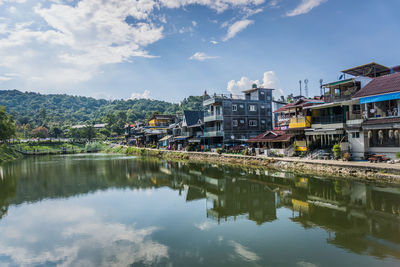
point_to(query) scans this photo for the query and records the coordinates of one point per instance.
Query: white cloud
(305, 7)
(270, 80)
(63, 45)
(244, 83)
(218, 5)
(146, 95)
(237, 27)
(200, 56)
(214, 42)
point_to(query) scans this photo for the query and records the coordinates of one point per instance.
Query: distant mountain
(40, 109)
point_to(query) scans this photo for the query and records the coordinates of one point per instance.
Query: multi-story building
(380, 127)
(231, 119)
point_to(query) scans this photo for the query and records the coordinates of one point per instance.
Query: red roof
(271, 137)
(284, 108)
(380, 85)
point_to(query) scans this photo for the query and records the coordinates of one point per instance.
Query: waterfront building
(380, 105)
(193, 126)
(231, 119)
(300, 120)
(276, 105)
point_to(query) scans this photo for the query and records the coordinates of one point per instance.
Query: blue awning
(378, 98)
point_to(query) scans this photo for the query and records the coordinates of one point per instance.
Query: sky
(170, 49)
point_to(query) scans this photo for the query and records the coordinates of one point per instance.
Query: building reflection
(359, 217)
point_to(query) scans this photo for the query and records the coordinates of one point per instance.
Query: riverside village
(354, 118)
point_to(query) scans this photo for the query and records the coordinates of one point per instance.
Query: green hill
(63, 110)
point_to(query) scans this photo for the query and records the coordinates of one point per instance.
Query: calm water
(103, 210)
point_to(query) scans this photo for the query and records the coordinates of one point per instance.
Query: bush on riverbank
(8, 153)
(49, 147)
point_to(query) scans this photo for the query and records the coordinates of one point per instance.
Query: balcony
(213, 117)
(217, 98)
(213, 132)
(300, 122)
(332, 119)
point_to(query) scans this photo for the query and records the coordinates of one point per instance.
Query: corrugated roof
(381, 121)
(380, 85)
(271, 136)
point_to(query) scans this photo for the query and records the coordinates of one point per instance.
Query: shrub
(336, 151)
(219, 150)
(347, 156)
(397, 154)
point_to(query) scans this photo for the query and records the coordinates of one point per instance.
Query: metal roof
(368, 70)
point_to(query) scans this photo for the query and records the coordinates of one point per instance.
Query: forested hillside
(65, 110)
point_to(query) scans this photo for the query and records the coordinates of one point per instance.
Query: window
(262, 121)
(234, 107)
(252, 123)
(241, 121)
(252, 108)
(241, 106)
(356, 109)
(268, 98)
(355, 135)
(262, 92)
(234, 123)
(262, 106)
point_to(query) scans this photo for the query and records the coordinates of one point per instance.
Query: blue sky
(170, 49)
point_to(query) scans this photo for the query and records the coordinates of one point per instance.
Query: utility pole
(300, 88)
(320, 86)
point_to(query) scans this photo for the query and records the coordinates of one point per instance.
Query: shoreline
(365, 171)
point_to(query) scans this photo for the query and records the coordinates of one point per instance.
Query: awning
(378, 98)
(333, 104)
(180, 138)
(165, 138)
(324, 131)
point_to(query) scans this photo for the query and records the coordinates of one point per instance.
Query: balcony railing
(212, 117)
(213, 131)
(218, 97)
(300, 122)
(336, 98)
(328, 119)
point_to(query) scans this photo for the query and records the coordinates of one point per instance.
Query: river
(115, 210)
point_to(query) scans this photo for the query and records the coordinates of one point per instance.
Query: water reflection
(358, 217)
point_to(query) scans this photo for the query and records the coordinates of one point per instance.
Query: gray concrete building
(231, 119)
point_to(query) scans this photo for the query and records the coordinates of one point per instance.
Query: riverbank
(7, 153)
(381, 172)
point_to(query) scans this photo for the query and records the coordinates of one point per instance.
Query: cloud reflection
(75, 236)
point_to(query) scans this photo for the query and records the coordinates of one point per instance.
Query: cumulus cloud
(305, 7)
(200, 56)
(146, 95)
(64, 44)
(270, 80)
(237, 27)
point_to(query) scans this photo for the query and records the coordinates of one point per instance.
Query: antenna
(306, 87)
(320, 86)
(300, 87)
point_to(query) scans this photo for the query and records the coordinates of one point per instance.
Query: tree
(7, 125)
(40, 132)
(89, 132)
